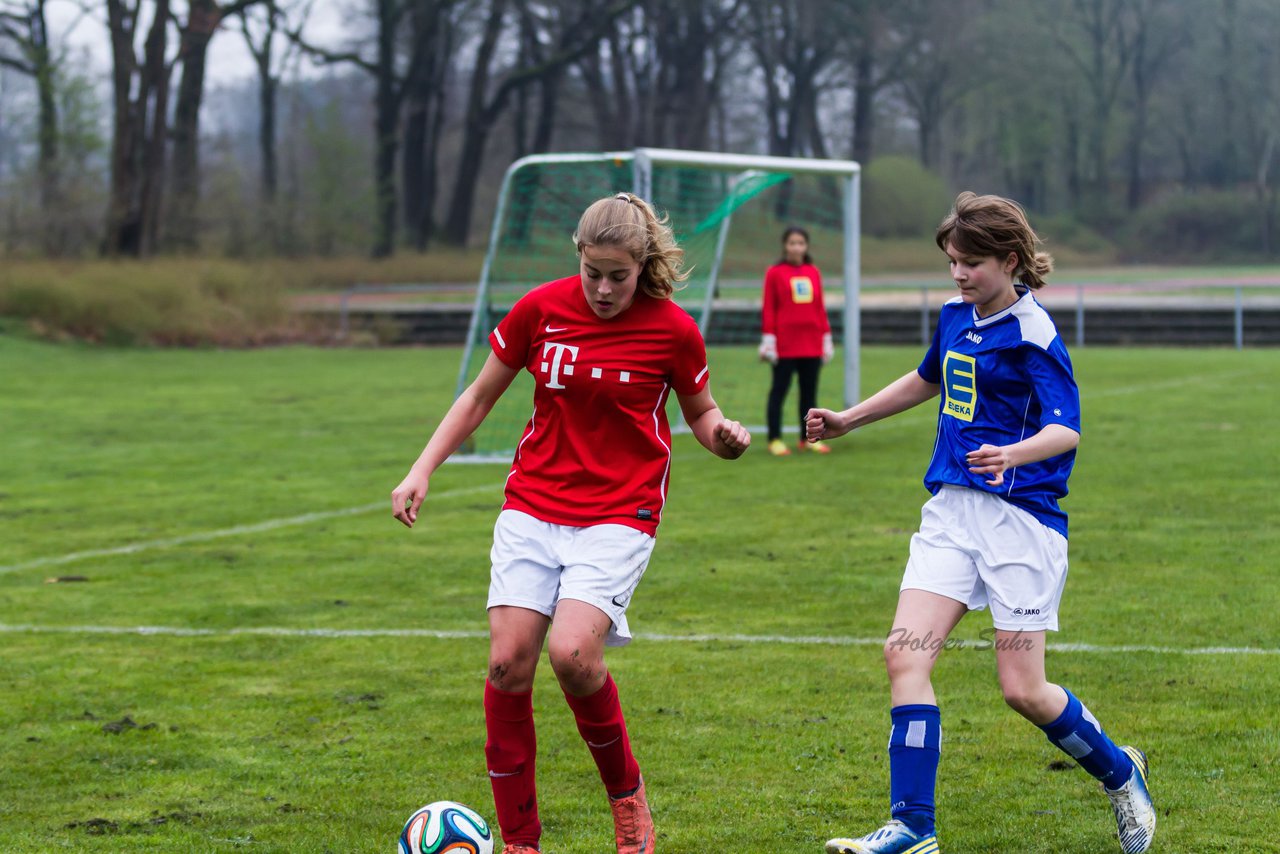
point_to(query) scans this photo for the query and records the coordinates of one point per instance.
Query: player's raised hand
(408, 496)
(989, 459)
(824, 424)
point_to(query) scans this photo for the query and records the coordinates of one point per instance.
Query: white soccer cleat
(1135, 814)
(894, 838)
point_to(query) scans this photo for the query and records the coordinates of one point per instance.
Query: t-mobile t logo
(555, 366)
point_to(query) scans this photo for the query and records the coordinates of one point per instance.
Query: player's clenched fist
(734, 437)
(407, 498)
(824, 424)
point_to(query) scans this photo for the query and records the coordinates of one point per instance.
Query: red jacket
(794, 310)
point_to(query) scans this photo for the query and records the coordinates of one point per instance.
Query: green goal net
(727, 211)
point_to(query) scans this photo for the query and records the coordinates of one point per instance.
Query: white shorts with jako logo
(981, 550)
(536, 564)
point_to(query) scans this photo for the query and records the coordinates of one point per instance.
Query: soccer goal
(728, 212)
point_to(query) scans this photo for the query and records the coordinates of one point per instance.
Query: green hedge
(162, 302)
(1213, 226)
(900, 198)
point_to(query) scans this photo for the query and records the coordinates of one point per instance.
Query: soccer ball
(443, 827)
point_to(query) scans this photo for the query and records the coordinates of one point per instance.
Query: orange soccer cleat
(632, 823)
(815, 447)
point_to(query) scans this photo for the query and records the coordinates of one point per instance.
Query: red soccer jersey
(597, 449)
(794, 310)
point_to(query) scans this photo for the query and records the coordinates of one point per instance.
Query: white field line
(477, 634)
(255, 528)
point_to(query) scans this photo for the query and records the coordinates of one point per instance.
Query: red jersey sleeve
(513, 335)
(690, 372)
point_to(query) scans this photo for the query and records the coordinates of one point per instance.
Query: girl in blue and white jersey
(993, 534)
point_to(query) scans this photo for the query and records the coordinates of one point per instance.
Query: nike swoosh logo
(606, 744)
(497, 774)
(559, 329)
(619, 604)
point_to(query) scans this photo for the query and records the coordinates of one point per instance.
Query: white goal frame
(643, 161)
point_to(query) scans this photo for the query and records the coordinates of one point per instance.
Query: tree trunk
(46, 88)
(864, 111)
(155, 148)
(1229, 155)
(413, 168)
(424, 122)
(45, 74)
(386, 126)
(629, 93)
(120, 236)
(268, 89)
(476, 132)
(928, 119)
(138, 139)
(606, 122)
(28, 32)
(184, 223)
(576, 38)
(419, 93)
(1137, 134)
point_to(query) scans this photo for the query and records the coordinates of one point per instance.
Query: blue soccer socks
(915, 745)
(1077, 733)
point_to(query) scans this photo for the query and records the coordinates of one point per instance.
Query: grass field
(313, 671)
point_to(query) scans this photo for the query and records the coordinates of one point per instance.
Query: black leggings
(808, 370)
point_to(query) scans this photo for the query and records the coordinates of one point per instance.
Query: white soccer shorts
(981, 550)
(536, 564)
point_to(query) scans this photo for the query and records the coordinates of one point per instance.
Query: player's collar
(1023, 293)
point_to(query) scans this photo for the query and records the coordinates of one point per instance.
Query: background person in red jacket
(797, 335)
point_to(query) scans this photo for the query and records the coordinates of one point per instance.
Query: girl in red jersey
(585, 494)
(797, 335)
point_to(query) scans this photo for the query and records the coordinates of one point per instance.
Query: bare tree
(434, 25)
(394, 76)
(794, 44)
(872, 65)
(1093, 35)
(260, 27)
(263, 30)
(1157, 38)
(580, 33)
(616, 74)
(203, 20)
(141, 101)
(935, 65)
(25, 47)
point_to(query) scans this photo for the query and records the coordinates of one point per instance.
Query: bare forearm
(1053, 440)
(706, 429)
(459, 422)
(900, 395)
(995, 460)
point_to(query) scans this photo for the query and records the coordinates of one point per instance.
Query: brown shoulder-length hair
(995, 226)
(628, 222)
